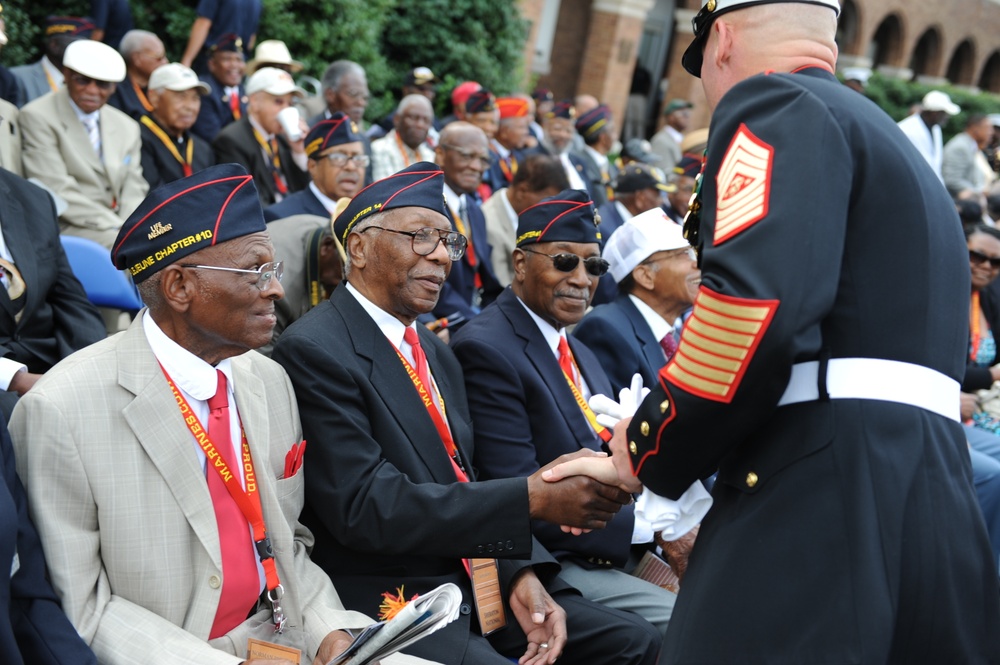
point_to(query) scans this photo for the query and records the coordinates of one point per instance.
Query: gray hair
(409, 100)
(133, 41)
(337, 70)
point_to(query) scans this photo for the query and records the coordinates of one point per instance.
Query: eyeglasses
(83, 81)
(340, 160)
(354, 93)
(687, 253)
(468, 155)
(566, 262)
(265, 273)
(425, 240)
(977, 257)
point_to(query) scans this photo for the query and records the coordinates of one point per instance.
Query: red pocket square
(293, 459)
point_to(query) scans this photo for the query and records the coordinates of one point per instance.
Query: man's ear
(355, 249)
(644, 276)
(178, 287)
(519, 258)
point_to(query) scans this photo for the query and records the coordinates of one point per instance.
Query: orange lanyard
(588, 413)
(403, 152)
(142, 97)
(168, 142)
(436, 415)
(975, 321)
(248, 500)
(508, 170)
(48, 77)
(271, 150)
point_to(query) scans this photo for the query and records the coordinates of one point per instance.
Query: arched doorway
(847, 27)
(989, 78)
(926, 57)
(886, 47)
(961, 66)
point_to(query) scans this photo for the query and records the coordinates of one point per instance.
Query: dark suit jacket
(623, 343)
(159, 166)
(57, 319)
(592, 176)
(611, 220)
(525, 416)
(381, 496)
(127, 101)
(236, 144)
(459, 288)
(33, 627)
(215, 112)
(302, 202)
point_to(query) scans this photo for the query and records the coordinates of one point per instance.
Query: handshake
(597, 485)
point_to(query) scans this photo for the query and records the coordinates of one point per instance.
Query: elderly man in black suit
(528, 386)
(260, 143)
(44, 312)
(658, 280)
(227, 101)
(400, 506)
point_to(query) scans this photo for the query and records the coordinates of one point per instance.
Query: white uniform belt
(878, 379)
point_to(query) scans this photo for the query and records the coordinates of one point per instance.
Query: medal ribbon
(470, 251)
(247, 500)
(169, 144)
(142, 97)
(588, 413)
(271, 149)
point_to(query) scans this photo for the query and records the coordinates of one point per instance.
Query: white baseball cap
(935, 100)
(176, 77)
(95, 60)
(272, 52)
(639, 238)
(274, 82)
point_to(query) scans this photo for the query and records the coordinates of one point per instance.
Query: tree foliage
(458, 39)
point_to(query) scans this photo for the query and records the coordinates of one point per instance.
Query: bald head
(778, 36)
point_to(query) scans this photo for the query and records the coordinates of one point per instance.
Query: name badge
(262, 650)
(486, 593)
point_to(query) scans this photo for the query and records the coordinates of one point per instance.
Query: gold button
(214, 582)
(664, 405)
(632, 448)
(751, 479)
(710, 6)
(644, 428)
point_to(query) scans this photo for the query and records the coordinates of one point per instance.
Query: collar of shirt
(391, 327)
(54, 72)
(454, 200)
(84, 117)
(231, 90)
(191, 374)
(511, 215)
(327, 202)
(599, 159)
(656, 323)
(623, 211)
(499, 149)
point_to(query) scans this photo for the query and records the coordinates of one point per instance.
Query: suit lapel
(537, 350)
(651, 348)
(76, 133)
(156, 422)
(389, 378)
(15, 235)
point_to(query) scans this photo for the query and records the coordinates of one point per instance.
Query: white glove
(609, 412)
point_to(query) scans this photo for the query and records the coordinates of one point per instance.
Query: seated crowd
(361, 350)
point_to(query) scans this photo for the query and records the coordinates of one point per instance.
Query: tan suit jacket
(125, 515)
(500, 234)
(57, 151)
(10, 138)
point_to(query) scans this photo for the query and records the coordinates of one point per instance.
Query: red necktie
(240, 580)
(669, 345)
(566, 360)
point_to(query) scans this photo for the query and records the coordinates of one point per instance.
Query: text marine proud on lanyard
(248, 500)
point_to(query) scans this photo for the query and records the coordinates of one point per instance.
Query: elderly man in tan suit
(84, 150)
(125, 447)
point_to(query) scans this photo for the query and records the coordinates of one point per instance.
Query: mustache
(574, 293)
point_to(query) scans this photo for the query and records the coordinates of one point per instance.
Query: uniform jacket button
(644, 428)
(751, 479)
(214, 582)
(664, 405)
(632, 448)
(510, 544)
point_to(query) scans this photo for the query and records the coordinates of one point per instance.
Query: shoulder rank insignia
(717, 344)
(744, 185)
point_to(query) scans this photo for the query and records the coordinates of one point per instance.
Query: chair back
(105, 285)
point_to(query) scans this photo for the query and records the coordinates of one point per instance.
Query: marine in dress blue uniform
(845, 527)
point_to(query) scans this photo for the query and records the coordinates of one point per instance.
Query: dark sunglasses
(977, 257)
(84, 81)
(594, 265)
